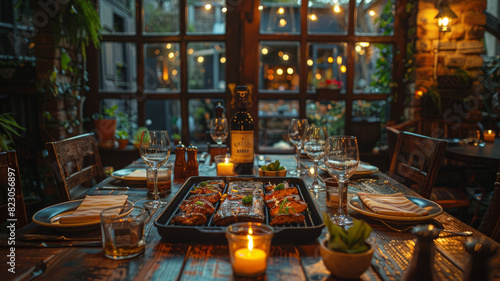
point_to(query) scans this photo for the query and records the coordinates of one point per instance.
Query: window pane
(117, 17)
(118, 67)
(206, 66)
(280, 16)
(327, 66)
(375, 17)
(161, 17)
(162, 67)
(279, 66)
(126, 114)
(164, 115)
(206, 17)
(201, 111)
(327, 17)
(366, 122)
(329, 114)
(274, 118)
(373, 68)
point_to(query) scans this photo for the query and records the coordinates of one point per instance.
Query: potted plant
(176, 138)
(346, 253)
(106, 127)
(272, 170)
(8, 128)
(122, 138)
(137, 136)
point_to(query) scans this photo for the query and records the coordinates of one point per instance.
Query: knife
(113, 188)
(3, 243)
(45, 237)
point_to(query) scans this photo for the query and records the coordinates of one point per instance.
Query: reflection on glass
(161, 17)
(206, 17)
(162, 67)
(280, 16)
(279, 66)
(118, 67)
(327, 66)
(373, 109)
(274, 118)
(117, 17)
(126, 114)
(375, 17)
(206, 65)
(373, 68)
(164, 115)
(201, 111)
(327, 17)
(329, 114)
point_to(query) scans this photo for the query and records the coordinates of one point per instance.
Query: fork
(449, 232)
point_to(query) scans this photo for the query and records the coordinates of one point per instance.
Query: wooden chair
(490, 225)
(10, 182)
(438, 128)
(76, 164)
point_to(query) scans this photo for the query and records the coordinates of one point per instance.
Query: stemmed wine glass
(155, 150)
(341, 160)
(314, 145)
(218, 130)
(296, 131)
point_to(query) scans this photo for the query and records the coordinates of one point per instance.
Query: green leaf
(350, 241)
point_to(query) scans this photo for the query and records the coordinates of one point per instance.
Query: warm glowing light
(270, 72)
(223, 60)
(270, 77)
(286, 57)
(336, 9)
(168, 46)
(339, 60)
(289, 71)
(364, 44)
(174, 72)
(261, 8)
(330, 60)
(310, 62)
(444, 21)
(157, 52)
(208, 7)
(250, 241)
(317, 76)
(282, 23)
(357, 48)
(200, 59)
(265, 51)
(32, 45)
(371, 13)
(171, 55)
(165, 74)
(224, 9)
(313, 17)
(280, 11)
(311, 170)
(343, 69)
(280, 53)
(362, 52)
(419, 93)
(190, 51)
(279, 71)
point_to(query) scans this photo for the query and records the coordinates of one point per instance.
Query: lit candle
(249, 261)
(489, 136)
(225, 169)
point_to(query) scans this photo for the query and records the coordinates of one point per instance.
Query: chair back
(439, 128)
(76, 164)
(416, 161)
(10, 184)
(490, 225)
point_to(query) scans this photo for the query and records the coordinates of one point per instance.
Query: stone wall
(460, 48)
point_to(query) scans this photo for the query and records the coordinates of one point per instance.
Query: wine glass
(218, 131)
(296, 131)
(155, 150)
(341, 159)
(314, 145)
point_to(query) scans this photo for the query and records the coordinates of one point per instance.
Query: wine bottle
(242, 136)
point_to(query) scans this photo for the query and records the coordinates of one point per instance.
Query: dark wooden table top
(191, 261)
(488, 153)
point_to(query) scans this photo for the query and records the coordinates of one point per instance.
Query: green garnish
(283, 209)
(276, 166)
(199, 203)
(247, 199)
(203, 183)
(280, 186)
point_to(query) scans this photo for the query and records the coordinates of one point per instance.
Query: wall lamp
(445, 15)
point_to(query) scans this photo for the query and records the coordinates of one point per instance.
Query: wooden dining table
(163, 260)
(484, 154)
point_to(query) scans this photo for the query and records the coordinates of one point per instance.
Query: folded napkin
(91, 208)
(392, 205)
(139, 173)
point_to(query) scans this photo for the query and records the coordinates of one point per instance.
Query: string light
(310, 62)
(171, 55)
(280, 11)
(265, 51)
(261, 8)
(208, 7)
(222, 60)
(339, 60)
(343, 69)
(282, 23)
(168, 46)
(224, 9)
(286, 57)
(289, 71)
(336, 9)
(313, 17)
(279, 71)
(330, 60)
(371, 13)
(200, 59)
(318, 76)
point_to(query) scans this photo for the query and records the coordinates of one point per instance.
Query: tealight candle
(249, 261)
(489, 136)
(225, 168)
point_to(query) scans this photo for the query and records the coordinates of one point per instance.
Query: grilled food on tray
(280, 191)
(285, 204)
(286, 219)
(190, 219)
(290, 205)
(202, 206)
(244, 203)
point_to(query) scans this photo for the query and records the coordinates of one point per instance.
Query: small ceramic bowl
(281, 173)
(345, 265)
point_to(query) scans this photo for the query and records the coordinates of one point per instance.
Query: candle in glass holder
(225, 168)
(489, 136)
(249, 261)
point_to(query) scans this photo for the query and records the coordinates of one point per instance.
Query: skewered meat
(287, 219)
(190, 219)
(289, 207)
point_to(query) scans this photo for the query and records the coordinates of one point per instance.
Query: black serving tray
(210, 233)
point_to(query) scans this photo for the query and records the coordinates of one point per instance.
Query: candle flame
(250, 242)
(226, 160)
(490, 132)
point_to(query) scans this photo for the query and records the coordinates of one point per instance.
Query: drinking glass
(155, 150)
(341, 159)
(218, 130)
(314, 145)
(296, 131)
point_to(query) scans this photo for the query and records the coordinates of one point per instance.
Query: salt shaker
(192, 162)
(180, 162)
(422, 264)
(479, 265)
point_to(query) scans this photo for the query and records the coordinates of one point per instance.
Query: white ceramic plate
(433, 209)
(123, 173)
(49, 217)
(362, 170)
